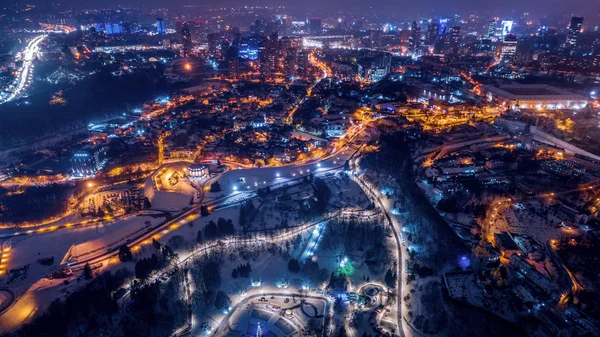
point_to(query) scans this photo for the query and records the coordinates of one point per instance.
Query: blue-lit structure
(88, 160)
(160, 26)
(442, 26)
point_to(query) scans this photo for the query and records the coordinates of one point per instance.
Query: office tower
(233, 63)
(491, 32)
(432, 33)
(506, 27)
(384, 62)
(303, 63)
(186, 40)
(455, 39)
(574, 30)
(424, 28)
(268, 56)
(117, 28)
(160, 26)
(315, 26)
(442, 26)
(509, 48)
(266, 62)
(291, 60)
(414, 39)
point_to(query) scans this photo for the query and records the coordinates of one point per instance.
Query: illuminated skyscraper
(303, 63)
(509, 48)
(186, 40)
(160, 26)
(492, 28)
(432, 33)
(268, 57)
(442, 26)
(291, 60)
(575, 29)
(233, 63)
(414, 40)
(455, 39)
(507, 26)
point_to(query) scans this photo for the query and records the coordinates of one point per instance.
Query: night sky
(413, 7)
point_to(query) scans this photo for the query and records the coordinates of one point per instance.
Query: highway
(23, 80)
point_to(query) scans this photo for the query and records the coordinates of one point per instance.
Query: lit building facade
(198, 171)
(87, 161)
(534, 96)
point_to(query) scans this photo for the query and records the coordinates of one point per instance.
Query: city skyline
(316, 169)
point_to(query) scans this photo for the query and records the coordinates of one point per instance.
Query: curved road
(245, 300)
(24, 79)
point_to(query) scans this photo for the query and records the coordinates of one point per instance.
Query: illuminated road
(23, 80)
(375, 195)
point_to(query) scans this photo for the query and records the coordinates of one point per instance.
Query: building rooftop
(505, 241)
(532, 91)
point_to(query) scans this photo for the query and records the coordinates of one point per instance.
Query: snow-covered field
(87, 241)
(36, 292)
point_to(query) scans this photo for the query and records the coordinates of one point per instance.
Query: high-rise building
(455, 39)
(186, 40)
(160, 26)
(424, 27)
(266, 63)
(291, 60)
(233, 62)
(315, 26)
(381, 67)
(384, 62)
(268, 56)
(442, 26)
(414, 39)
(491, 32)
(113, 28)
(507, 26)
(303, 63)
(575, 28)
(509, 48)
(432, 33)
